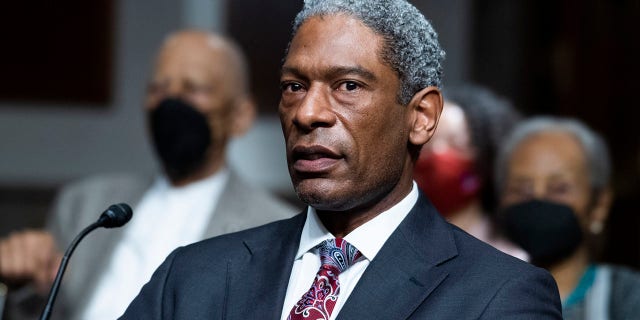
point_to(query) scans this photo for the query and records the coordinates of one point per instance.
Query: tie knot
(337, 254)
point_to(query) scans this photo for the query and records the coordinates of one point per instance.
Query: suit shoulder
(491, 261)
(508, 284)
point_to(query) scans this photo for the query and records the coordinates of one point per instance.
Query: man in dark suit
(359, 98)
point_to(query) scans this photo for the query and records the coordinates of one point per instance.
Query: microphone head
(115, 216)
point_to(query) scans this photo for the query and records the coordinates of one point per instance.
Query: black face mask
(548, 231)
(181, 136)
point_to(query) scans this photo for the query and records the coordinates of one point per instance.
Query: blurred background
(73, 75)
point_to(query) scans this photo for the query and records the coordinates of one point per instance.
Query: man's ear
(242, 116)
(425, 109)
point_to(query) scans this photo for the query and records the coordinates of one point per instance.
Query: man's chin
(317, 193)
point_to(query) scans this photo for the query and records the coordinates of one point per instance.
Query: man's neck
(341, 223)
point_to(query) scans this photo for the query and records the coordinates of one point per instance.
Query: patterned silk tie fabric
(336, 255)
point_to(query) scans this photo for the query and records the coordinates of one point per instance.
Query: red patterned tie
(336, 255)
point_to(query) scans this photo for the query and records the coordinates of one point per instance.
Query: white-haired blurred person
(553, 175)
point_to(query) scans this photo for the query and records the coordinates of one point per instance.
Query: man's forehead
(335, 40)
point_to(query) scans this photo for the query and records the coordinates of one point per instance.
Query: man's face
(346, 134)
(549, 166)
(192, 68)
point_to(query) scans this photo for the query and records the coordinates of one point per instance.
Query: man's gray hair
(410, 47)
(594, 147)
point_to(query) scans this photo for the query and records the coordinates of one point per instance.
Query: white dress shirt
(368, 238)
(166, 217)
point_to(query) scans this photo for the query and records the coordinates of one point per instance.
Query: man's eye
(291, 86)
(349, 86)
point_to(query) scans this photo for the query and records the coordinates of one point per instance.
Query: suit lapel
(410, 265)
(258, 284)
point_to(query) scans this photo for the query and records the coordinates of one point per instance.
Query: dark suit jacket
(427, 269)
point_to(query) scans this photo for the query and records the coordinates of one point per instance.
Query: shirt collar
(382, 226)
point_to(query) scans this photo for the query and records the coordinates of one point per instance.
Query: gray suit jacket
(427, 269)
(241, 206)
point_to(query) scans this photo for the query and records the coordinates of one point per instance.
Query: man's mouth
(314, 159)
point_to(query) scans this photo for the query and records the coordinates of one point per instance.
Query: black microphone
(115, 216)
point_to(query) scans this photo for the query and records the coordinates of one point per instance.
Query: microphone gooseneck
(115, 216)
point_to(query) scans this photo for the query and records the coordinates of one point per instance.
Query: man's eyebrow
(357, 70)
(291, 70)
(333, 72)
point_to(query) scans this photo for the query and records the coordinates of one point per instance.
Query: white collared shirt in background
(166, 217)
(368, 238)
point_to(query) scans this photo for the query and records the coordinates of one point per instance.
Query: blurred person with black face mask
(197, 100)
(553, 174)
(455, 170)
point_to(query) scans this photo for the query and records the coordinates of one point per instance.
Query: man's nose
(315, 110)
